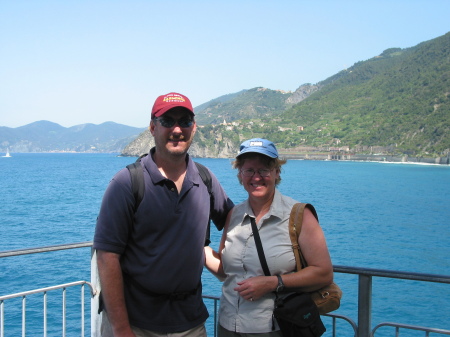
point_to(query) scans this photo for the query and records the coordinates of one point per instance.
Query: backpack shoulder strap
(137, 181)
(138, 187)
(295, 227)
(206, 178)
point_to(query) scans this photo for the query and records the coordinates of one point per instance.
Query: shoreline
(378, 158)
(440, 161)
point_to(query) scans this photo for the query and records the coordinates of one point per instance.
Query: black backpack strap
(137, 181)
(138, 187)
(206, 178)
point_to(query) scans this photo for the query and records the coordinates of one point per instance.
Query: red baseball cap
(168, 101)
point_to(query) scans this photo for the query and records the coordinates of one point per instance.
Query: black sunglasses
(169, 122)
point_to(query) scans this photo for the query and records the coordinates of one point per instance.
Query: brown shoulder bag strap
(295, 227)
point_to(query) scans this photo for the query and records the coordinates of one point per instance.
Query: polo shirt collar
(276, 209)
(156, 176)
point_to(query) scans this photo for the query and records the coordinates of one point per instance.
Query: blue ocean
(374, 215)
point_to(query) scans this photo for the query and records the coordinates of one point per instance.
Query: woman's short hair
(271, 163)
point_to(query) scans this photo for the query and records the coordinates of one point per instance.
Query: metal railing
(362, 329)
(365, 279)
(63, 287)
(398, 326)
(44, 291)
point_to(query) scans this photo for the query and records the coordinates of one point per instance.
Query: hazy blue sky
(75, 62)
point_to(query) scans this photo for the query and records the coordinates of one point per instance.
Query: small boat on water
(7, 155)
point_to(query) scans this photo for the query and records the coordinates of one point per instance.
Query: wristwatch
(280, 286)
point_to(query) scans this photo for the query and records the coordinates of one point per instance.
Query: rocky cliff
(144, 142)
(303, 92)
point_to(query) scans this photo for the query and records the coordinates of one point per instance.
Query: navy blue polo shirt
(161, 245)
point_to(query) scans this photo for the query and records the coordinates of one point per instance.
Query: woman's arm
(319, 271)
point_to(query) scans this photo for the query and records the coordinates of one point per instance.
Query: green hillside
(399, 99)
(253, 103)
(397, 102)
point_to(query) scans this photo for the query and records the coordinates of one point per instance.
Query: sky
(75, 62)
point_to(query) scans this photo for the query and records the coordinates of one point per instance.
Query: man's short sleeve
(116, 215)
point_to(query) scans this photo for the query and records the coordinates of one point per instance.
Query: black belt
(175, 296)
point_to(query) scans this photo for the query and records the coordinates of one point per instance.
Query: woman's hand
(254, 288)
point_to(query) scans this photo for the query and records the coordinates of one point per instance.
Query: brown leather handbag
(329, 297)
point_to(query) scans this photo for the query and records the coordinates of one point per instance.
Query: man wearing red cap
(150, 259)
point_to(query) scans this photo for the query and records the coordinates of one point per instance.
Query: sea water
(374, 215)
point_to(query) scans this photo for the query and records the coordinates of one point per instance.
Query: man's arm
(222, 203)
(111, 281)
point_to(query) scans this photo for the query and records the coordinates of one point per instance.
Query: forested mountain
(248, 104)
(399, 99)
(45, 136)
(253, 103)
(396, 103)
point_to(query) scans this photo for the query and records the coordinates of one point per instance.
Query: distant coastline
(381, 158)
(400, 159)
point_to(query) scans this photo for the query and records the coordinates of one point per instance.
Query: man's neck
(172, 167)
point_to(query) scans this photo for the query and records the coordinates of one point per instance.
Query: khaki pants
(106, 331)
(222, 332)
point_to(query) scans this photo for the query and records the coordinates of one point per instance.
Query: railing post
(96, 319)
(2, 319)
(364, 305)
(24, 315)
